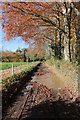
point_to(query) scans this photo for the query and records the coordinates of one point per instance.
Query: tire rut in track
(41, 102)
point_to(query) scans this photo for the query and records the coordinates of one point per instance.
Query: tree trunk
(55, 47)
(66, 43)
(69, 27)
(69, 44)
(66, 37)
(60, 46)
(24, 56)
(78, 57)
(59, 35)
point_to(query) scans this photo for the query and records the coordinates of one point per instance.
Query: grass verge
(6, 83)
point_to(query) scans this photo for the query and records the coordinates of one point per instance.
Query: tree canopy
(40, 22)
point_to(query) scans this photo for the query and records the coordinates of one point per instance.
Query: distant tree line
(23, 55)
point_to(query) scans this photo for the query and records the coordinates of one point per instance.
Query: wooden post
(12, 69)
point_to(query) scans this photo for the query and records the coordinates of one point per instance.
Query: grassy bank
(6, 65)
(65, 71)
(6, 83)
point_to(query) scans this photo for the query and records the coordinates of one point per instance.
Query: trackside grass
(6, 83)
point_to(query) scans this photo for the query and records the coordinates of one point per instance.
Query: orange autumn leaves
(35, 20)
(23, 18)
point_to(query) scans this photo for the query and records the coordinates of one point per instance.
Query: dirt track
(46, 77)
(41, 98)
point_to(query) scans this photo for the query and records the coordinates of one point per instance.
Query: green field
(6, 65)
(16, 77)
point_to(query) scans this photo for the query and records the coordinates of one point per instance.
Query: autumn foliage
(9, 56)
(53, 23)
(32, 54)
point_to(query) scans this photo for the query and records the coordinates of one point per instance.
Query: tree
(27, 21)
(18, 50)
(24, 50)
(9, 56)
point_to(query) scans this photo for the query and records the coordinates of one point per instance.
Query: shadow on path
(53, 109)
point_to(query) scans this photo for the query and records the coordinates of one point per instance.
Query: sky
(11, 45)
